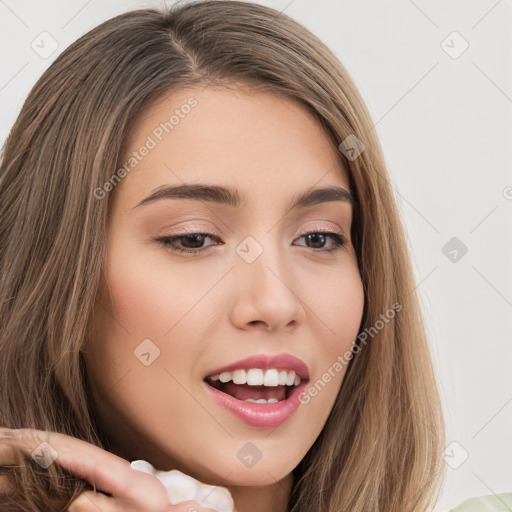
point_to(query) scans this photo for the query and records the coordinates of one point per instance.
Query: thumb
(182, 487)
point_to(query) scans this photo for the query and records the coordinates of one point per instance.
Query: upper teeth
(258, 377)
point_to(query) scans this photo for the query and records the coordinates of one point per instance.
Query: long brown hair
(380, 449)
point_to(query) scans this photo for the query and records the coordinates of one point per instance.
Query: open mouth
(275, 390)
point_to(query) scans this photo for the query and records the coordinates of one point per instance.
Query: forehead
(257, 142)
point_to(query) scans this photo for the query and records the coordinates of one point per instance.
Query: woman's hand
(131, 490)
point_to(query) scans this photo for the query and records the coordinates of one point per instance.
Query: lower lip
(259, 415)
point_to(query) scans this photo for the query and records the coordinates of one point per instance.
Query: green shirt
(493, 503)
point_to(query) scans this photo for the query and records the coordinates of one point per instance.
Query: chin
(262, 473)
(253, 478)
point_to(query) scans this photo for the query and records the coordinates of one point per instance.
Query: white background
(445, 125)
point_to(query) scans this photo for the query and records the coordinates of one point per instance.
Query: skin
(132, 491)
(207, 311)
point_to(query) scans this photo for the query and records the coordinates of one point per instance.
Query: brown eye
(318, 240)
(190, 243)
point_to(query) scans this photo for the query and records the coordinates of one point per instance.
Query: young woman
(203, 270)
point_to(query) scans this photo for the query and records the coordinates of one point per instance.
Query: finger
(78, 457)
(6, 453)
(189, 506)
(103, 470)
(112, 474)
(96, 502)
(91, 501)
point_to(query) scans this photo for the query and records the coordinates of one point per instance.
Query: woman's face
(257, 285)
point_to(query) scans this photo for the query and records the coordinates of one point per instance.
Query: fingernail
(142, 465)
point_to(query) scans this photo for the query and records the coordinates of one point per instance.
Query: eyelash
(338, 240)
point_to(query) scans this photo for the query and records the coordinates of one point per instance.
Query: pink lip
(279, 362)
(258, 415)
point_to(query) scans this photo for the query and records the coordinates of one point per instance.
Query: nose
(267, 295)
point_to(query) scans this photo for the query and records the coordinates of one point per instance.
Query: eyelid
(214, 234)
(321, 227)
(337, 236)
(190, 229)
(193, 229)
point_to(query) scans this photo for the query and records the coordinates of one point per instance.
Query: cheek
(144, 299)
(338, 311)
(151, 295)
(337, 308)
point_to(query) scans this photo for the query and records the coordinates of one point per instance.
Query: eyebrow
(232, 197)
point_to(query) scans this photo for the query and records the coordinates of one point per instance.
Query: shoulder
(492, 503)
